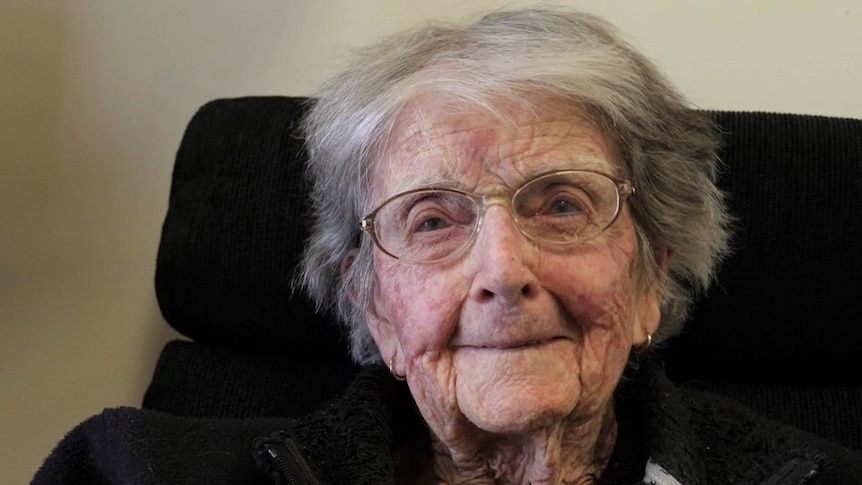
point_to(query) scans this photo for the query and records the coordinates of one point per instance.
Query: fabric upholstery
(786, 308)
(200, 380)
(781, 331)
(234, 230)
(781, 326)
(830, 411)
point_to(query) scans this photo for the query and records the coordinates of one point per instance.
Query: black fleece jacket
(371, 434)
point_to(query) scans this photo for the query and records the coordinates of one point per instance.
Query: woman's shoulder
(130, 445)
(731, 433)
(696, 435)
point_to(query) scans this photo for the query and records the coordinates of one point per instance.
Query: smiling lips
(515, 345)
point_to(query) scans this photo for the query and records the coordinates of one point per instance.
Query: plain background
(94, 97)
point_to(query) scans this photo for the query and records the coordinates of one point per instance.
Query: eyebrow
(448, 181)
(426, 180)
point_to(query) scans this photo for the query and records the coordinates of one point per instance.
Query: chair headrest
(785, 309)
(234, 232)
(788, 303)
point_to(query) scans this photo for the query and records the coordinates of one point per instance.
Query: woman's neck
(564, 453)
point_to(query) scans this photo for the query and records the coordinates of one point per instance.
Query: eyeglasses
(434, 225)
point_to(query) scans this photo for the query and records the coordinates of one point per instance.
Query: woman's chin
(519, 390)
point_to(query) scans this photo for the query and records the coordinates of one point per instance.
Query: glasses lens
(567, 207)
(431, 225)
(426, 225)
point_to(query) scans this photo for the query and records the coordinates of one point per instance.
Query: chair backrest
(784, 317)
(782, 331)
(787, 305)
(231, 240)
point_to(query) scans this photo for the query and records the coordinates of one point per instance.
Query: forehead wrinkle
(466, 154)
(408, 167)
(421, 141)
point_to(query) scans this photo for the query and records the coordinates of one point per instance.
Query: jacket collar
(348, 440)
(690, 438)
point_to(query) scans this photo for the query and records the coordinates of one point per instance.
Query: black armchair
(780, 332)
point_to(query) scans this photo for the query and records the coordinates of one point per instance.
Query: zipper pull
(288, 460)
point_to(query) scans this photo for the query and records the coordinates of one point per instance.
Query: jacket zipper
(797, 471)
(287, 459)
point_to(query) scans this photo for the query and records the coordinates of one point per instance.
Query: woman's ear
(379, 324)
(662, 259)
(346, 262)
(384, 332)
(649, 313)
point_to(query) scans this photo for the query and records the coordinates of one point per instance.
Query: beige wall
(94, 96)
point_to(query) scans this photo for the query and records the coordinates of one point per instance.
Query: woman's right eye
(435, 212)
(429, 223)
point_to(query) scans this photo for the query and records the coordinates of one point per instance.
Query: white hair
(665, 148)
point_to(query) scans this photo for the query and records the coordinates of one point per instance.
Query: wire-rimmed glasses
(436, 225)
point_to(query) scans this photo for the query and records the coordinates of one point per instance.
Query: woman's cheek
(597, 299)
(424, 310)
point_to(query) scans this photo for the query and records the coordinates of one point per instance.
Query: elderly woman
(507, 215)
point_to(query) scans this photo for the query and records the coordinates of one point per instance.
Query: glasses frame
(624, 190)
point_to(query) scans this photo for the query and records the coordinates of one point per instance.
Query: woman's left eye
(564, 205)
(561, 207)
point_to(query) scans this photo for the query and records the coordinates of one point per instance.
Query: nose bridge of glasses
(504, 200)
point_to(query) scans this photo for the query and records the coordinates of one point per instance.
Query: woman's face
(512, 337)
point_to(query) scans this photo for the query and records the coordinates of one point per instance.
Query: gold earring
(642, 348)
(392, 371)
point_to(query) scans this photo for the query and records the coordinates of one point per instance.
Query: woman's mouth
(515, 345)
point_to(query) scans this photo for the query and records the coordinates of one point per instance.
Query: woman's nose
(503, 259)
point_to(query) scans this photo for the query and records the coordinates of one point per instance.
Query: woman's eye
(564, 207)
(427, 217)
(430, 224)
(438, 212)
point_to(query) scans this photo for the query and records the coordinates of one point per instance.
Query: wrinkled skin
(512, 352)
